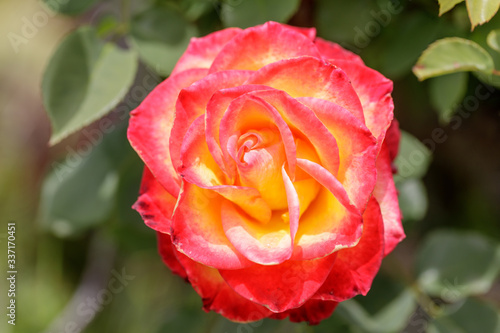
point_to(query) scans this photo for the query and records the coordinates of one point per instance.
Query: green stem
(125, 14)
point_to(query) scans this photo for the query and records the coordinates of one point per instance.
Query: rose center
(259, 158)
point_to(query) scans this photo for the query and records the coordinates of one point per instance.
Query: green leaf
(391, 318)
(412, 199)
(481, 11)
(247, 13)
(79, 191)
(472, 316)
(413, 158)
(84, 80)
(485, 36)
(493, 40)
(490, 79)
(446, 5)
(452, 264)
(69, 7)
(446, 92)
(451, 55)
(161, 35)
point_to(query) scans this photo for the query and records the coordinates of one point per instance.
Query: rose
(268, 172)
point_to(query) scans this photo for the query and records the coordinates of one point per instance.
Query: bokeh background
(76, 231)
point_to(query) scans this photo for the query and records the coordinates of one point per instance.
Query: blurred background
(86, 262)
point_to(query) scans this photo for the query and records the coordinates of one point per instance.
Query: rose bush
(268, 173)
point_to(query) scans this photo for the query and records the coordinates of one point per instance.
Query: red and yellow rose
(268, 172)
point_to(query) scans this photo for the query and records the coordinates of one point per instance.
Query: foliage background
(75, 227)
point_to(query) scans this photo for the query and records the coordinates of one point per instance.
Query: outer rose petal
(150, 125)
(355, 268)
(392, 138)
(374, 91)
(197, 232)
(387, 196)
(217, 295)
(308, 32)
(280, 287)
(201, 52)
(310, 77)
(313, 311)
(331, 50)
(258, 46)
(167, 251)
(155, 204)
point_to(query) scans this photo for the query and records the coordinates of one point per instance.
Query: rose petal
(266, 244)
(280, 287)
(201, 52)
(293, 205)
(308, 32)
(305, 124)
(216, 108)
(197, 164)
(356, 145)
(313, 311)
(249, 112)
(333, 51)
(307, 190)
(248, 199)
(374, 91)
(197, 231)
(261, 169)
(218, 296)
(310, 77)
(198, 167)
(155, 204)
(387, 196)
(392, 139)
(167, 252)
(150, 124)
(355, 268)
(258, 46)
(192, 103)
(331, 221)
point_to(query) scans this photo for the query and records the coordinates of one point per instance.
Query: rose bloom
(268, 173)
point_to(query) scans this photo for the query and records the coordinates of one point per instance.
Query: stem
(100, 258)
(123, 27)
(125, 15)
